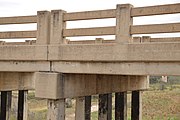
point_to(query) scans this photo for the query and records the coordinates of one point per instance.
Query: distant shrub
(154, 79)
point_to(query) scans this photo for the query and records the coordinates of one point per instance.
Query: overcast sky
(30, 7)
(25, 7)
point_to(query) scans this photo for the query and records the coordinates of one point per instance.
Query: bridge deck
(124, 59)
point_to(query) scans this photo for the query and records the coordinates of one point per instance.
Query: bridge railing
(124, 15)
(18, 20)
(88, 15)
(156, 28)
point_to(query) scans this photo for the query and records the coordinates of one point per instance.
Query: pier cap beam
(58, 85)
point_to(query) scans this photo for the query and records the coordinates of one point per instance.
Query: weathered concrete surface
(55, 85)
(23, 52)
(10, 81)
(122, 52)
(48, 85)
(24, 66)
(119, 68)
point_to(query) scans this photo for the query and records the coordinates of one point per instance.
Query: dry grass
(161, 105)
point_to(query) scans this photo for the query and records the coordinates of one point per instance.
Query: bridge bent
(58, 68)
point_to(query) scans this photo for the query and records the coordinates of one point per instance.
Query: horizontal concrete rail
(89, 31)
(156, 10)
(170, 39)
(18, 20)
(15, 43)
(122, 52)
(27, 42)
(111, 13)
(166, 39)
(155, 28)
(99, 14)
(89, 41)
(24, 66)
(32, 42)
(17, 34)
(23, 52)
(118, 68)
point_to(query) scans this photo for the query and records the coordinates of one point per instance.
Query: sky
(30, 7)
(25, 7)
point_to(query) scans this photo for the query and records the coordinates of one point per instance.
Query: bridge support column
(22, 105)
(83, 108)
(56, 109)
(9, 101)
(3, 105)
(136, 106)
(121, 106)
(87, 107)
(105, 107)
(80, 108)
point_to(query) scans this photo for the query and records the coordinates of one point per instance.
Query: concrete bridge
(57, 68)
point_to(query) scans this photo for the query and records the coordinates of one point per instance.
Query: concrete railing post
(57, 26)
(43, 27)
(123, 23)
